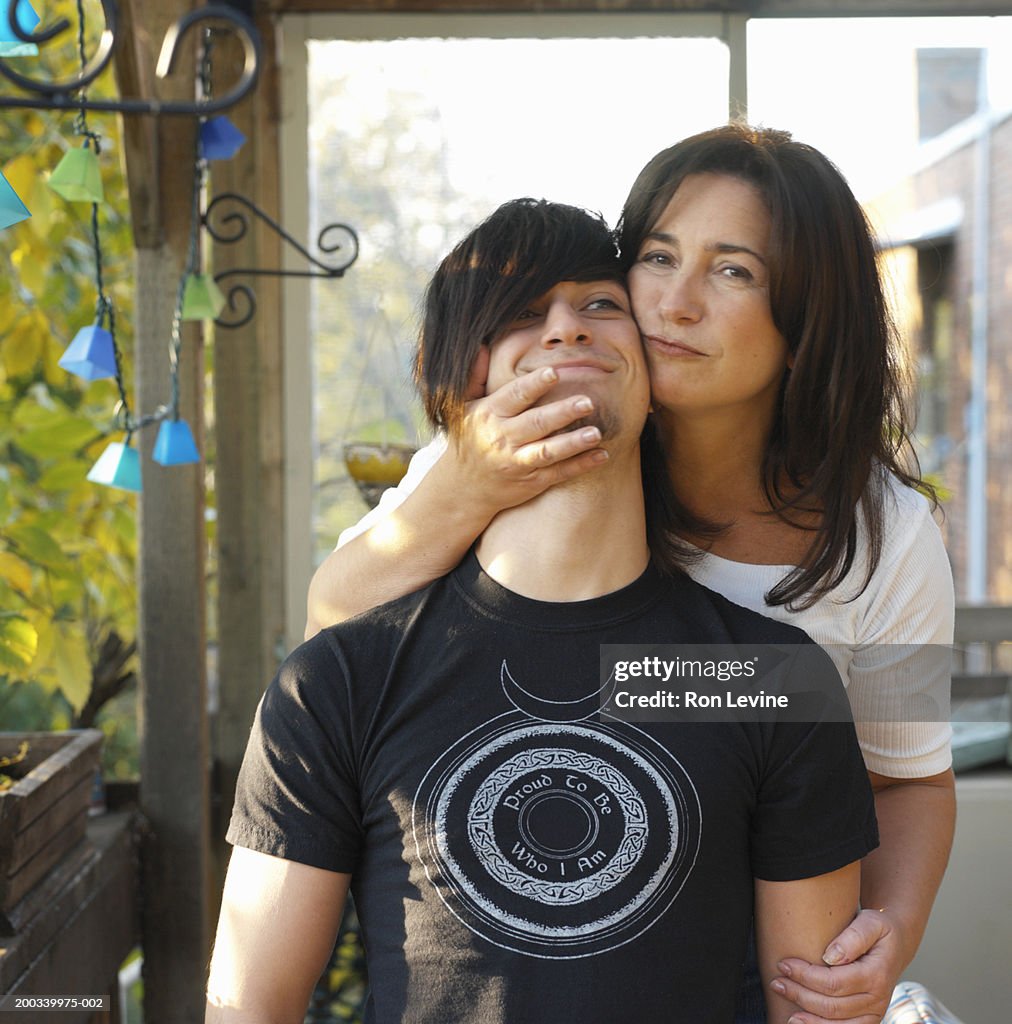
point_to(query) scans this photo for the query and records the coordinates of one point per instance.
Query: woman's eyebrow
(733, 247)
(722, 247)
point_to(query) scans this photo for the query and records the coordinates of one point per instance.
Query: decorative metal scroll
(231, 227)
(67, 95)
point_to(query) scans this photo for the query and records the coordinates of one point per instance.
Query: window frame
(296, 32)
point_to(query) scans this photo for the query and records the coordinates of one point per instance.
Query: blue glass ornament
(27, 19)
(12, 209)
(118, 466)
(174, 445)
(91, 354)
(220, 139)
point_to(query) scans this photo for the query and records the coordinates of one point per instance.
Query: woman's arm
(506, 454)
(916, 820)
(899, 688)
(419, 539)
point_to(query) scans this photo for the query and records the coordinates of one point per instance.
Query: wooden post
(175, 748)
(248, 438)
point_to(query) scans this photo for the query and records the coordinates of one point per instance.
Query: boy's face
(586, 332)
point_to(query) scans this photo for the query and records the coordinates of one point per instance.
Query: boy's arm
(278, 924)
(798, 919)
(916, 818)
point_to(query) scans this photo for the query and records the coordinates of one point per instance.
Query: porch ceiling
(753, 8)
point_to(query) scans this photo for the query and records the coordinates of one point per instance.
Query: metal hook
(251, 49)
(60, 95)
(233, 226)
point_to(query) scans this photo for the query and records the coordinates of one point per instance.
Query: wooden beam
(175, 742)
(135, 77)
(248, 440)
(753, 8)
(175, 747)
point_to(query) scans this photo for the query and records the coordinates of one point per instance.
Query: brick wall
(954, 176)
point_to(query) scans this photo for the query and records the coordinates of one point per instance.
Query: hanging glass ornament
(118, 466)
(174, 445)
(202, 298)
(220, 139)
(78, 177)
(27, 19)
(12, 209)
(91, 355)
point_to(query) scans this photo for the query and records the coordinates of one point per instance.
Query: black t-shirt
(516, 855)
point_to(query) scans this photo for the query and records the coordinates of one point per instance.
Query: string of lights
(94, 353)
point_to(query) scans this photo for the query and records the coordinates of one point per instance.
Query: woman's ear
(478, 377)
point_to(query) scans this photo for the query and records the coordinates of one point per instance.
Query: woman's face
(700, 293)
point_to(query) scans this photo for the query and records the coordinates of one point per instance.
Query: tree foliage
(67, 546)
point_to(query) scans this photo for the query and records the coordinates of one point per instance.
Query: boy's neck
(574, 542)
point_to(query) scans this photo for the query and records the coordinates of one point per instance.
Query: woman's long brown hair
(841, 426)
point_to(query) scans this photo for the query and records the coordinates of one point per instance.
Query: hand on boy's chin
(606, 420)
(604, 415)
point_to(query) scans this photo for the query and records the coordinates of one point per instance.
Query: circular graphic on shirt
(557, 839)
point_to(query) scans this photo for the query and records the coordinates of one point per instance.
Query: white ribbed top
(892, 643)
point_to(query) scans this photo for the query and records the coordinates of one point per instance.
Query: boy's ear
(478, 376)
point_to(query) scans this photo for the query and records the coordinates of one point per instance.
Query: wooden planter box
(44, 814)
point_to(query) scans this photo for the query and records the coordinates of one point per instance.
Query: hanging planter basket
(375, 466)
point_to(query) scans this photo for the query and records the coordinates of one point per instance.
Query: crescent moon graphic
(545, 709)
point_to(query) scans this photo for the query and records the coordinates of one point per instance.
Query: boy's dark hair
(524, 249)
(513, 257)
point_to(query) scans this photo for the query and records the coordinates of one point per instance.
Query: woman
(753, 278)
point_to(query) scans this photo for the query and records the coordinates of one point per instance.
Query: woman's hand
(502, 456)
(862, 966)
(509, 450)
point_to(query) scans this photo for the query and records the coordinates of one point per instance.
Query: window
(414, 137)
(935, 354)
